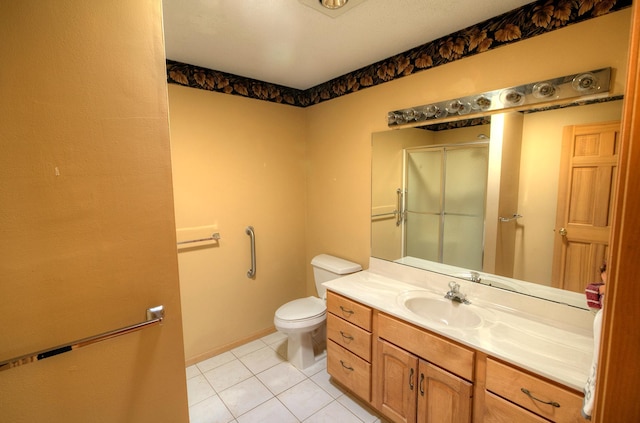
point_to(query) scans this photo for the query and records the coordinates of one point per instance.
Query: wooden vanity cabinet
(349, 344)
(514, 395)
(412, 375)
(411, 389)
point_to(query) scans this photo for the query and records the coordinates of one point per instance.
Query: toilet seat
(302, 309)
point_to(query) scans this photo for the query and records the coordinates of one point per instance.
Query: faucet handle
(454, 287)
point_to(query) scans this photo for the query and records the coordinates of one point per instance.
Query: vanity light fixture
(544, 90)
(562, 90)
(512, 97)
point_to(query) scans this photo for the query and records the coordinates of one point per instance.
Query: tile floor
(255, 383)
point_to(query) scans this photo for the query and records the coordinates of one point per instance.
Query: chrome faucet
(455, 295)
(475, 277)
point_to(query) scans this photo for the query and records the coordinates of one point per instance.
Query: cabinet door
(396, 385)
(442, 396)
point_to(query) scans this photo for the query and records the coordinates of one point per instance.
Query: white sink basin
(440, 310)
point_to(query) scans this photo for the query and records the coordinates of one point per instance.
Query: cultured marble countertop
(543, 342)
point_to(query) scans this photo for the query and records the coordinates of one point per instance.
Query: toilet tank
(326, 268)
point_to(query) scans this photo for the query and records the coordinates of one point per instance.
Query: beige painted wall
(86, 213)
(236, 163)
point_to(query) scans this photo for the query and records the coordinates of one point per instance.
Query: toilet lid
(302, 308)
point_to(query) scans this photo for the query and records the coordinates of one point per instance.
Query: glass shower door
(445, 203)
(423, 186)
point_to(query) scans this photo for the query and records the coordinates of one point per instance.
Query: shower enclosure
(444, 203)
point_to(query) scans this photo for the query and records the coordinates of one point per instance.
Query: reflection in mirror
(521, 177)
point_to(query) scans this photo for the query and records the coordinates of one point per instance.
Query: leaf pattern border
(534, 19)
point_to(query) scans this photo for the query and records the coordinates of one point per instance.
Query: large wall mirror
(499, 178)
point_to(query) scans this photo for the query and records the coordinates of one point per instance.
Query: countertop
(547, 346)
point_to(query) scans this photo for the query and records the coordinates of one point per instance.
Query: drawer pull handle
(346, 311)
(528, 393)
(346, 336)
(411, 379)
(422, 384)
(346, 366)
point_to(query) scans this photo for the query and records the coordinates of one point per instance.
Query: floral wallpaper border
(528, 21)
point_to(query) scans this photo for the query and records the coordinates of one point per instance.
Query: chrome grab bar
(400, 215)
(214, 237)
(154, 317)
(252, 271)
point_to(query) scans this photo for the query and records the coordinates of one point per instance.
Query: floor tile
(211, 410)
(280, 347)
(274, 338)
(323, 379)
(245, 396)
(262, 359)
(333, 413)
(193, 371)
(271, 411)
(281, 377)
(363, 412)
(320, 365)
(227, 375)
(198, 389)
(249, 347)
(304, 399)
(213, 362)
(255, 383)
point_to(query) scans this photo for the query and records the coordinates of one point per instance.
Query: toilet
(303, 320)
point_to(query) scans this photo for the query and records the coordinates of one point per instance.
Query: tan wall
(340, 130)
(236, 164)
(86, 213)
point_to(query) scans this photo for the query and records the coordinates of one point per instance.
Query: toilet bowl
(303, 320)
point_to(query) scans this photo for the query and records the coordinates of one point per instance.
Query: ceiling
(289, 43)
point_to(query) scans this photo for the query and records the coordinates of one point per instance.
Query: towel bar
(214, 237)
(509, 219)
(154, 316)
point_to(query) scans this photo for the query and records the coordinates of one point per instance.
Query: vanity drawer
(349, 336)
(350, 370)
(498, 410)
(444, 353)
(349, 310)
(508, 382)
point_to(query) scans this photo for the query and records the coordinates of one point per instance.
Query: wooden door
(87, 230)
(442, 396)
(396, 384)
(588, 169)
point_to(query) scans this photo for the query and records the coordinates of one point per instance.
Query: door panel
(587, 174)
(86, 214)
(398, 372)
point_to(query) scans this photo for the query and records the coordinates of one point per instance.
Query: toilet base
(305, 349)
